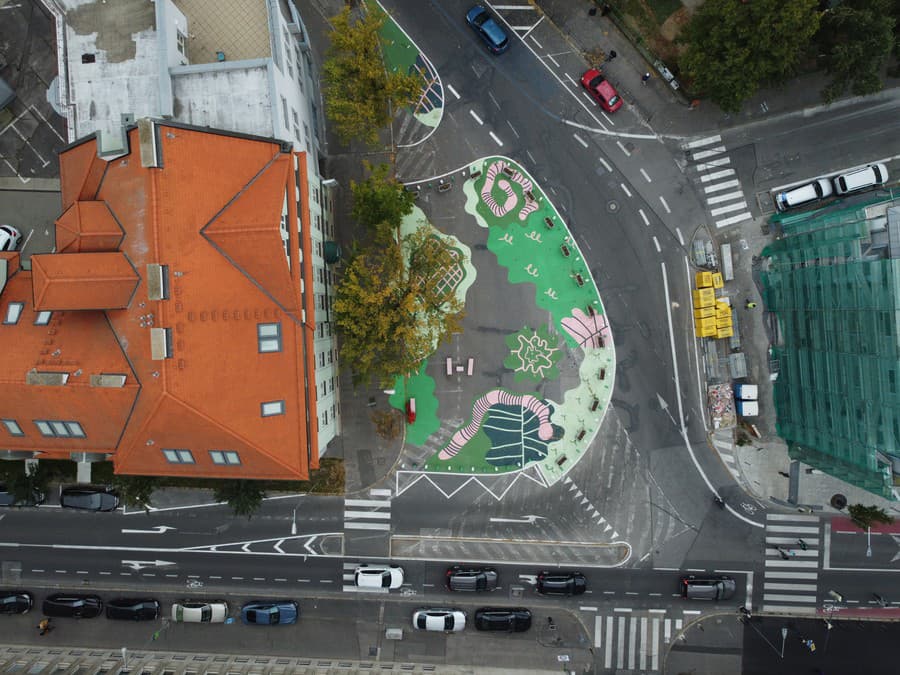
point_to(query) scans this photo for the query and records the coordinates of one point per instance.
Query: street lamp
(125, 658)
(294, 522)
(784, 632)
(868, 542)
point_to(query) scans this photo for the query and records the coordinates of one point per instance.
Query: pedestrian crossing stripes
(791, 563)
(720, 187)
(626, 642)
(369, 514)
(725, 448)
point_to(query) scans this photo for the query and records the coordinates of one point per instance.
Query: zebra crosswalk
(369, 514)
(626, 642)
(718, 181)
(791, 573)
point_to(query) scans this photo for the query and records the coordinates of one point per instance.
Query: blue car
(269, 613)
(488, 29)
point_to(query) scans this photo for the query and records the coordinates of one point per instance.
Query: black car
(132, 609)
(73, 605)
(15, 602)
(561, 583)
(510, 619)
(461, 578)
(89, 498)
(8, 498)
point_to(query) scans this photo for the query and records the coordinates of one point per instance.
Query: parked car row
(822, 188)
(82, 497)
(449, 620)
(89, 606)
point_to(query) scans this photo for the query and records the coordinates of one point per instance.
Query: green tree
(734, 47)
(857, 36)
(866, 516)
(380, 201)
(243, 496)
(390, 308)
(30, 479)
(136, 491)
(359, 90)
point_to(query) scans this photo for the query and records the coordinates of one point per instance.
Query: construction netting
(832, 279)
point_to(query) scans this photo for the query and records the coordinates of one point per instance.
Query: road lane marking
(623, 149)
(452, 90)
(555, 62)
(646, 177)
(580, 140)
(625, 189)
(665, 204)
(656, 244)
(680, 237)
(722, 186)
(477, 118)
(643, 216)
(709, 140)
(513, 128)
(605, 164)
(718, 174)
(496, 140)
(368, 502)
(703, 154)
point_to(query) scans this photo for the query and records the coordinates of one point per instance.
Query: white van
(818, 189)
(870, 176)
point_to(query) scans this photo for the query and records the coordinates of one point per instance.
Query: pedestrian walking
(612, 54)
(784, 554)
(44, 626)
(645, 78)
(605, 9)
(802, 544)
(746, 612)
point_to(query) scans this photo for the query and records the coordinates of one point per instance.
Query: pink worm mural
(501, 210)
(480, 409)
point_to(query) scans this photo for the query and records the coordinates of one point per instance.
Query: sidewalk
(657, 103)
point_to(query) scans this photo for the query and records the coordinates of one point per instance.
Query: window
(268, 337)
(180, 39)
(59, 429)
(284, 111)
(224, 457)
(322, 359)
(178, 456)
(13, 428)
(13, 312)
(42, 318)
(270, 408)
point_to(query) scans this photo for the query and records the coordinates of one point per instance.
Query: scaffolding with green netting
(832, 279)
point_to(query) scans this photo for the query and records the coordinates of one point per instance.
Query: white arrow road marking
(159, 529)
(138, 565)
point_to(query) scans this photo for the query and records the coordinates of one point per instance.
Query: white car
(192, 611)
(439, 619)
(9, 238)
(378, 576)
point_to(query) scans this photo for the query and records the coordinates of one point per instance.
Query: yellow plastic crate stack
(712, 317)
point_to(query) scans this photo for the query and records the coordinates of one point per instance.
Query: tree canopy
(857, 37)
(734, 47)
(243, 496)
(358, 88)
(866, 516)
(390, 309)
(380, 202)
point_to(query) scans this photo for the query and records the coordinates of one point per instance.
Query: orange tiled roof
(207, 221)
(87, 226)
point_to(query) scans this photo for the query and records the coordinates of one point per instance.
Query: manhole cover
(612, 206)
(838, 501)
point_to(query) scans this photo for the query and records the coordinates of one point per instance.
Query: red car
(602, 91)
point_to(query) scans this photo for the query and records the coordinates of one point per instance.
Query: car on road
(73, 605)
(270, 613)
(15, 602)
(461, 578)
(378, 576)
(9, 238)
(804, 194)
(89, 498)
(8, 498)
(601, 90)
(133, 609)
(439, 619)
(561, 583)
(510, 619)
(493, 35)
(707, 587)
(860, 179)
(197, 611)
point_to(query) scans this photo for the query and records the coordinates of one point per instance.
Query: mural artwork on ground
(402, 54)
(509, 430)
